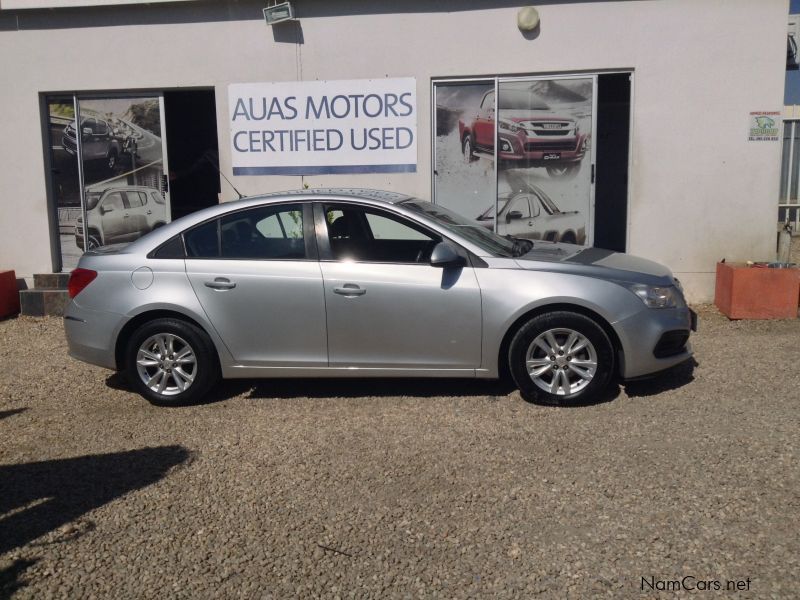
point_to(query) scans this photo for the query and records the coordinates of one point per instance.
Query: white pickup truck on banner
(313, 127)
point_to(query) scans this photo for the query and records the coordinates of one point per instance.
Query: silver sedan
(360, 283)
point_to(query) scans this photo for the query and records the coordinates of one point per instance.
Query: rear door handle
(220, 283)
(349, 289)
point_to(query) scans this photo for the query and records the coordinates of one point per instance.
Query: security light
(278, 13)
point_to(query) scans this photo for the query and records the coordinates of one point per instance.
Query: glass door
(64, 180)
(120, 140)
(516, 155)
(544, 160)
(463, 172)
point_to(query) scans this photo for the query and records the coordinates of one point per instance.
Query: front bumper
(545, 150)
(643, 338)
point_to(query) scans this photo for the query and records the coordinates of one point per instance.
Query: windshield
(519, 100)
(466, 228)
(549, 205)
(92, 198)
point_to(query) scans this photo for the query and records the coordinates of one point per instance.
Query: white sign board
(764, 126)
(312, 127)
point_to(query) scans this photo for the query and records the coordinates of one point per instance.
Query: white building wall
(699, 190)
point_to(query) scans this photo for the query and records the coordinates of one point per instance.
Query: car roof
(350, 193)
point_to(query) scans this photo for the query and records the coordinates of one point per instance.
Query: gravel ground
(373, 489)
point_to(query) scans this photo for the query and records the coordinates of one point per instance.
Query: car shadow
(4, 414)
(41, 497)
(264, 389)
(671, 379)
(10, 576)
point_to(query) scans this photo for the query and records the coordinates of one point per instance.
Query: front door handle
(220, 283)
(349, 289)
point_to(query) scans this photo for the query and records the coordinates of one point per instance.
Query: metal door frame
(497, 79)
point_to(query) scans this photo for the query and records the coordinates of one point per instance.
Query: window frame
(323, 242)
(309, 239)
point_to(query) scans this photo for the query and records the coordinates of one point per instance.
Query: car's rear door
(112, 211)
(387, 307)
(256, 273)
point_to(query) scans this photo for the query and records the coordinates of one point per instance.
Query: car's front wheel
(171, 362)
(467, 149)
(561, 358)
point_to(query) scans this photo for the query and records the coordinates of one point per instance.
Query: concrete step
(50, 281)
(43, 302)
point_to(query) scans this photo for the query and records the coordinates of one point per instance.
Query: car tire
(568, 238)
(171, 362)
(563, 171)
(576, 367)
(94, 241)
(467, 149)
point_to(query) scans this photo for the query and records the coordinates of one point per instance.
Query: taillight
(78, 280)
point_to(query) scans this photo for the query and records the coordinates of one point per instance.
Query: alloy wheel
(561, 361)
(167, 364)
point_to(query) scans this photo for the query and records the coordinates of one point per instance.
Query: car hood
(594, 262)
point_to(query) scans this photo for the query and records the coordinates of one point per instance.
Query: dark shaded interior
(612, 138)
(192, 150)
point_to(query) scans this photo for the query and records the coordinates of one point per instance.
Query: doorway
(543, 157)
(192, 150)
(613, 156)
(121, 164)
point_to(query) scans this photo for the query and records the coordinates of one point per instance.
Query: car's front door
(387, 307)
(90, 143)
(520, 217)
(484, 123)
(256, 273)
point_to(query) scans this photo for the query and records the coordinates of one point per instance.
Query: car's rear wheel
(171, 362)
(561, 358)
(568, 238)
(467, 149)
(563, 171)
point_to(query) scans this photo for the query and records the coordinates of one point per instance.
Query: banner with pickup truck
(515, 154)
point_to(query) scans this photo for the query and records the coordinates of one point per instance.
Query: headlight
(657, 297)
(508, 126)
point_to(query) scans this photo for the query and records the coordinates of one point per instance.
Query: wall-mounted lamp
(527, 18)
(278, 13)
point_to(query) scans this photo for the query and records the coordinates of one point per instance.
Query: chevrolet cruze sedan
(360, 283)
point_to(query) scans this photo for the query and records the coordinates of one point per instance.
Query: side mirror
(87, 131)
(106, 209)
(444, 255)
(513, 215)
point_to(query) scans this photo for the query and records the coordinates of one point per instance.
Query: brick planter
(9, 296)
(744, 292)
